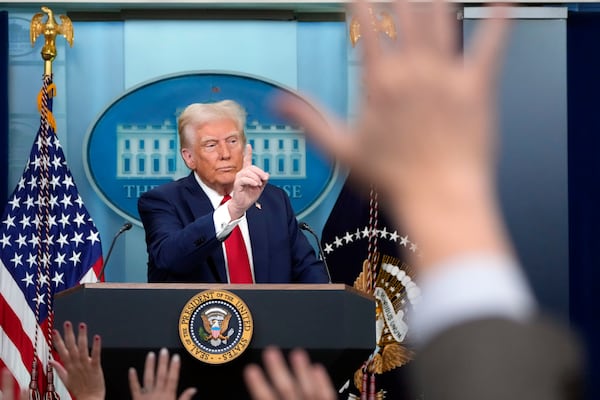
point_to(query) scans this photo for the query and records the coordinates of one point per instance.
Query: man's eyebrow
(230, 135)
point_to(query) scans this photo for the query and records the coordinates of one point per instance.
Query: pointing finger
(248, 156)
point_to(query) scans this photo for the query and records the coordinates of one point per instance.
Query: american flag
(48, 243)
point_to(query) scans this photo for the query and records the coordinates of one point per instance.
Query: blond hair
(197, 114)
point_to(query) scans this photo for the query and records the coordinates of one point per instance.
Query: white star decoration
(364, 233)
(79, 220)
(55, 181)
(5, 240)
(9, 221)
(40, 299)
(68, 181)
(31, 260)
(383, 233)
(43, 279)
(64, 220)
(338, 242)
(77, 238)
(348, 237)
(93, 237)
(62, 240)
(25, 221)
(14, 202)
(28, 279)
(16, 260)
(60, 259)
(404, 240)
(75, 258)
(22, 240)
(66, 201)
(58, 278)
(29, 202)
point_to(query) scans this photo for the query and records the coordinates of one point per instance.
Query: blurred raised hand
(80, 370)
(426, 128)
(160, 380)
(304, 381)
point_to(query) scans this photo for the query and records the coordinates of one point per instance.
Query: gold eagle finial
(50, 29)
(384, 24)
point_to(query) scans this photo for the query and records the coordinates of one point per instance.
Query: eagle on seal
(215, 328)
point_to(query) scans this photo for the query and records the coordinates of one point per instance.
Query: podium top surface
(216, 286)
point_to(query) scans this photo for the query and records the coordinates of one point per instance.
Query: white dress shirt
(224, 224)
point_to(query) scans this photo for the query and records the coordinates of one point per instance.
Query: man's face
(216, 153)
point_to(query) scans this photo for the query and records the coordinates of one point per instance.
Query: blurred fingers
(60, 346)
(303, 371)
(96, 350)
(82, 342)
(322, 381)
(326, 131)
(60, 370)
(445, 27)
(363, 12)
(313, 379)
(173, 373)
(279, 374)
(162, 368)
(488, 45)
(69, 339)
(188, 394)
(149, 370)
(257, 383)
(134, 384)
(406, 24)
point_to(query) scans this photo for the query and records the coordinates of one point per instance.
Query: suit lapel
(257, 226)
(199, 205)
(197, 201)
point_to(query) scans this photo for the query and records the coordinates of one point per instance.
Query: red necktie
(237, 256)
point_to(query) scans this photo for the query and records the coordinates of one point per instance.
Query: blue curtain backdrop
(584, 184)
(3, 106)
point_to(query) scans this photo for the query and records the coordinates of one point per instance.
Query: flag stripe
(11, 354)
(91, 276)
(17, 330)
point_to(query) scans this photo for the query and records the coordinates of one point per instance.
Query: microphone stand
(126, 226)
(305, 227)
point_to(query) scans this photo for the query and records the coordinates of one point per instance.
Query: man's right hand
(249, 183)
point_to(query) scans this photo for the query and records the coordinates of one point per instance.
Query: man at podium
(223, 223)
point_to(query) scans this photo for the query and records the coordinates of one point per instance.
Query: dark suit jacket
(499, 359)
(182, 244)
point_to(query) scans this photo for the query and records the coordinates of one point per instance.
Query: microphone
(305, 227)
(126, 226)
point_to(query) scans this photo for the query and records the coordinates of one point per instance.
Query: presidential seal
(215, 326)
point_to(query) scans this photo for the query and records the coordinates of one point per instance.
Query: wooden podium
(334, 322)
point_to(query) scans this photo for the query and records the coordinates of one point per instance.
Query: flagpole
(49, 29)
